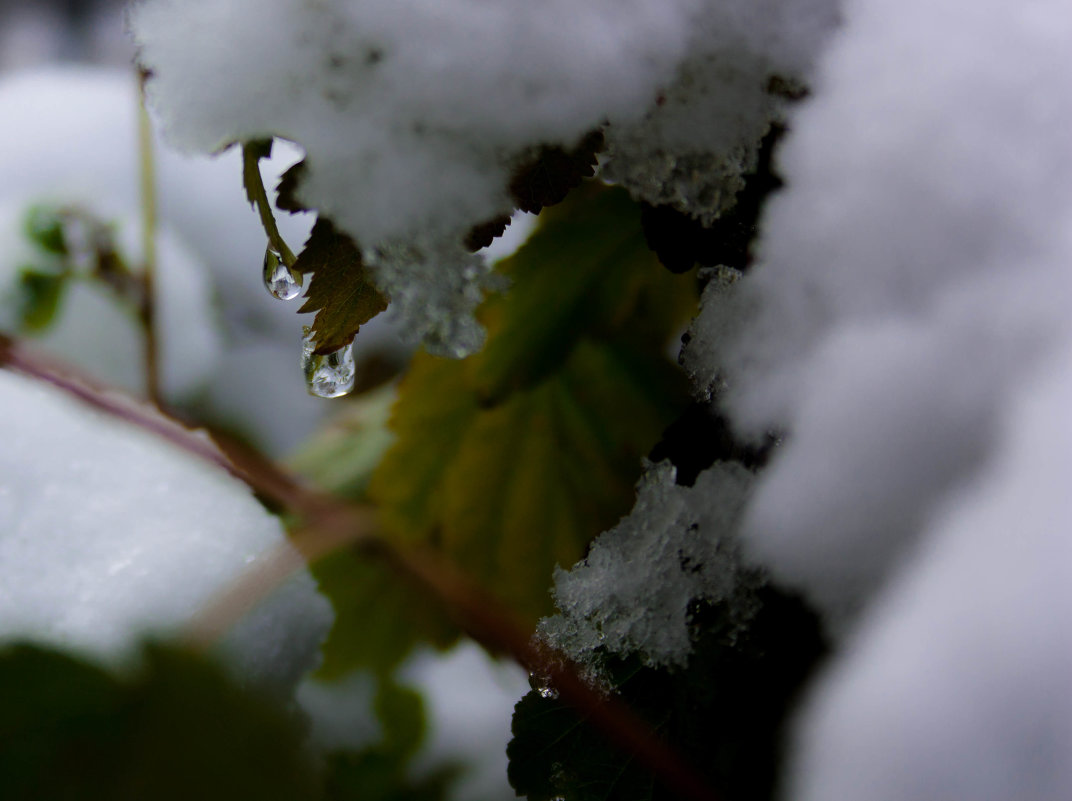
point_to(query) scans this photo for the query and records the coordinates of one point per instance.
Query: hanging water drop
(542, 684)
(278, 278)
(329, 375)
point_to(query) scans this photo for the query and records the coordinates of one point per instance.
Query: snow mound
(108, 535)
(913, 270)
(958, 685)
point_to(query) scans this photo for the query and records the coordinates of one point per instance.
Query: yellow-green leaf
(585, 272)
(512, 460)
(379, 617)
(510, 491)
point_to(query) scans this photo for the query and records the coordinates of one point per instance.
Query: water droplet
(278, 278)
(541, 683)
(329, 375)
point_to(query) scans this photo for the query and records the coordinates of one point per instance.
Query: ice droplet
(329, 375)
(278, 278)
(542, 684)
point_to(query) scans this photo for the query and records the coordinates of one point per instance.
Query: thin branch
(147, 306)
(329, 524)
(15, 356)
(251, 177)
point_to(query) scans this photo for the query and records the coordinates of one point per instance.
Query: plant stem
(251, 177)
(147, 306)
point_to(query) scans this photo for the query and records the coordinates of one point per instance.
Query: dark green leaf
(510, 461)
(38, 298)
(702, 436)
(287, 191)
(400, 711)
(547, 176)
(585, 272)
(44, 227)
(480, 236)
(339, 292)
(177, 729)
(379, 617)
(375, 775)
(724, 713)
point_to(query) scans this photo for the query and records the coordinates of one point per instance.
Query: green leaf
(400, 710)
(513, 459)
(341, 457)
(176, 729)
(376, 775)
(290, 181)
(44, 227)
(340, 292)
(724, 713)
(38, 297)
(585, 272)
(379, 618)
(547, 177)
(383, 771)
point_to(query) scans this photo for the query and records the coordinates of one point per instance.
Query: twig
(329, 524)
(17, 357)
(147, 306)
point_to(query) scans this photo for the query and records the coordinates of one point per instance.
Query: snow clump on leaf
(414, 115)
(633, 592)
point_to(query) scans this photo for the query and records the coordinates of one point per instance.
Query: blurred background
(47, 31)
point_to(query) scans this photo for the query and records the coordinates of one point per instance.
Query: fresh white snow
(108, 535)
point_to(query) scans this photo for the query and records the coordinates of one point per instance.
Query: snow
(913, 269)
(55, 30)
(632, 592)
(405, 108)
(108, 535)
(470, 701)
(721, 314)
(340, 713)
(701, 133)
(906, 332)
(227, 343)
(434, 289)
(414, 113)
(958, 685)
(904, 329)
